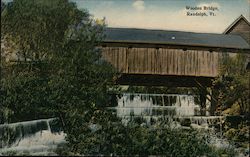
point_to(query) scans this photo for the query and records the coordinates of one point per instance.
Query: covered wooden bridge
(168, 58)
(173, 58)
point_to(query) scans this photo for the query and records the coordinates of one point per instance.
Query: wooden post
(213, 103)
(203, 96)
(203, 103)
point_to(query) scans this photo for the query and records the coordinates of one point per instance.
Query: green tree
(232, 85)
(59, 71)
(232, 92)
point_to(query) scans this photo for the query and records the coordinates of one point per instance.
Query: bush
(135, 139)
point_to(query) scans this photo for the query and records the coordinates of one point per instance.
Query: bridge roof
(132, 35)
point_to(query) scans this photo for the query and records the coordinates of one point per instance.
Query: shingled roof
(132, 35)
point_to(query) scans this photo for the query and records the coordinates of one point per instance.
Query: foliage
(237, 132)
(232, 91)
(135, 139)
(232, 85)
(60, 72)
(59, 65)
(25, 96)
(39, 27)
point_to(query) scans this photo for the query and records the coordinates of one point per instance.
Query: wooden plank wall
(162, 61)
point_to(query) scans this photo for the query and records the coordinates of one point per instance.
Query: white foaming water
(151, 104)
(155, 106)
(32, 137)
(176, 109)
(37, 137)
(173, 108)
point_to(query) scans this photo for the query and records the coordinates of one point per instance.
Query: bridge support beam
(213, 103)
(163, 80)
(203, 103)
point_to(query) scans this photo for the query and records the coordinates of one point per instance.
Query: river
(41, 137)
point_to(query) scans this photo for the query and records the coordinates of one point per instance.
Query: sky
(166, 14)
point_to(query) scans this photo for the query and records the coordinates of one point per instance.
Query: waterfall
(170, 107)
(41, 137)
(37, 137)
(176, 109)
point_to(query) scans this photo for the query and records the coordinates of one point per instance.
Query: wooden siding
(162, 61)
(241, 28)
